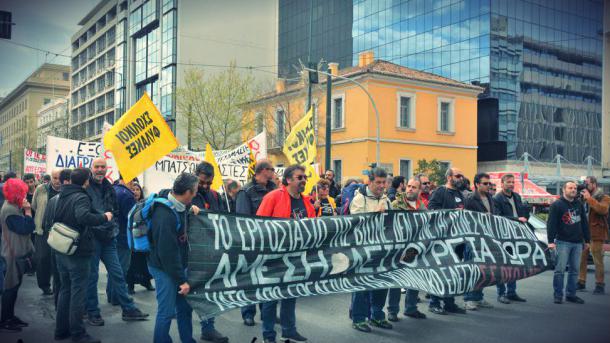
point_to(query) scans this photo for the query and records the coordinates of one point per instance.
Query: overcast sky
(49, 25)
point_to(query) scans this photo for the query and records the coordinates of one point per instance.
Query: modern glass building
(540, 61)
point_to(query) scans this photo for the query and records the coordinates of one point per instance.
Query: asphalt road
(324, 319)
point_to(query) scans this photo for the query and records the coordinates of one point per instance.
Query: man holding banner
(286, 202)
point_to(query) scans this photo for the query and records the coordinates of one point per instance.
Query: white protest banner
(69, 153)
(34, 163)
(241, 154)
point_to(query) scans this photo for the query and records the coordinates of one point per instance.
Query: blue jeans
(170, 304)
(474, 295)
(74, 275)
(288, 320)
(124, 254)
(410, 301)
(368, 304)
(207, 325)
(568, 254)
(436, 301)
(109, 255)
(508, 289)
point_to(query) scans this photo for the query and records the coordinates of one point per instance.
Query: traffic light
(5, 24)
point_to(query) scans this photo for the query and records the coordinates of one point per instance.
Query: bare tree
(212, 106)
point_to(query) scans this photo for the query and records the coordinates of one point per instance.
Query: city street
(324, 319)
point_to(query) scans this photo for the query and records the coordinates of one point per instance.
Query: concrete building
(19, 112)
(540, 62)
(52, 121)
(126, 48)
(422, 116)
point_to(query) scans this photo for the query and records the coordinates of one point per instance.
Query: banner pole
(226, 197)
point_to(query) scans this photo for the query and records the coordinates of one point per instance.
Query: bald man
(41, 196)
(103, 199)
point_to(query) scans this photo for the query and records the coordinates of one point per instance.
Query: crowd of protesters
(84, 200)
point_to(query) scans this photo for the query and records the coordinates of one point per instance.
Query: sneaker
(47, 291)
(485, 304)
(17, 321)
(516, 298)
(416, 315)
(437, 310)
(296, 337)
(393, 317)
(403, 291)
(86, 339)
(455, 309)
(580, 286)
(8, 327)
(575, 299)
(471, 305)
(95, 320)
(503, 299)
(134, 315)
(558, 300)
(599, 289)
(214, 336)
(383, 324)
(362, 326)
(249, 322)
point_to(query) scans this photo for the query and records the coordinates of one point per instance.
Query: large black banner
(239, 260)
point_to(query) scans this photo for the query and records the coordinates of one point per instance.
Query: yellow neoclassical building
(422, 116)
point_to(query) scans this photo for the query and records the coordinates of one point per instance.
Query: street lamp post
(377, 139)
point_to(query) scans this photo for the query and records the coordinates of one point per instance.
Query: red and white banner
(34, 163)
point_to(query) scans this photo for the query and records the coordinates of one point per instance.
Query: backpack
(139, 220)
(347, 194)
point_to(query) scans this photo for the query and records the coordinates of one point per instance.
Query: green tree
(211, 104)
(434, 169)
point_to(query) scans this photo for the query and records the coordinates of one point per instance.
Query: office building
(52, 121)
(19, 112)
(126, 48)
(540, 63)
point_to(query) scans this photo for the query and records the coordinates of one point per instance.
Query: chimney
(334, 68)
(280, 85)
(365, 58)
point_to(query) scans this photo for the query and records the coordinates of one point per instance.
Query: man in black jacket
(208, 199)
(567, 230)
(333, 190)
(508, 204)
(479, 201)
(47, 222)
(74, 210)
(103, 199)
(447, 197)
(248, 200)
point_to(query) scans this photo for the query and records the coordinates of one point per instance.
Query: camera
(581, 186)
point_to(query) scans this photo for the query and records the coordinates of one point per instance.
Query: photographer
(596, 207)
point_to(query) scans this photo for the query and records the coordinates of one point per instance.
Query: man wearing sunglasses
(208, 199)
(424, 194)
(508, 204)
(285, 202)
(249, 199)
(479, 201)
(447, 197)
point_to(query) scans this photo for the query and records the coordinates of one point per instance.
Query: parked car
(539, 227)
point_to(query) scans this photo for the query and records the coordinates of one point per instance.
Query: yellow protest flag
(139, 139)
(251, 164)
(209, 157)
(300, 148)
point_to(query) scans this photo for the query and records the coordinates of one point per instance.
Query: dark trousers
(56, 278)
(45, 262)
(74, 274)
(9, 298)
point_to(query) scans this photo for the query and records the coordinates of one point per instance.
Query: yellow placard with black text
(139, 139)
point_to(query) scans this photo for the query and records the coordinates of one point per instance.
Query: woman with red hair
(17, 225)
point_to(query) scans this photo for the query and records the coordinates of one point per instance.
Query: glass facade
(538, 60)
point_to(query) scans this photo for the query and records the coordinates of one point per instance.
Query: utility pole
(327, 147)
(309, 64)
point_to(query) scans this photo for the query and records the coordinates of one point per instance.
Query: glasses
(301, 177)
(271, 169)
(425, 183)
(485, 183)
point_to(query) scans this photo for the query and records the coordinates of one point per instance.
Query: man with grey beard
(103, 199)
